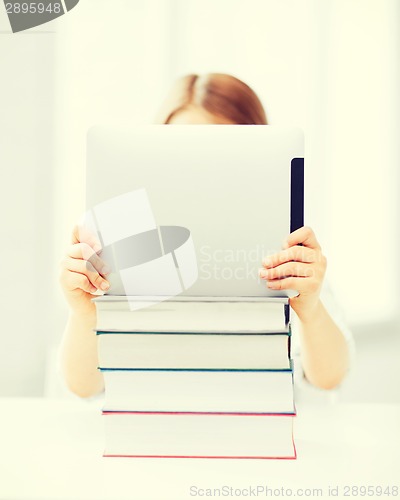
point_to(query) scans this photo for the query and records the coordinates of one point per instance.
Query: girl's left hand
(299, 266)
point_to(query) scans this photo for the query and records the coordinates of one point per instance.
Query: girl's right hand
(82, 272)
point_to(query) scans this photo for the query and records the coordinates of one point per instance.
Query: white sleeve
(304, 390)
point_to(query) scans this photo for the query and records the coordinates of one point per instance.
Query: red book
(199, 435)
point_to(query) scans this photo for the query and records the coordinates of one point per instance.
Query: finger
(288, 269)
(82, 234)
(86, 268)
(303, 236)
(85, 252)
(76, 281)
(296, 253)
(287, 284)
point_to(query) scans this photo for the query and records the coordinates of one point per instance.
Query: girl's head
(213, 98)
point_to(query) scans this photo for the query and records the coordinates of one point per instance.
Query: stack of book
(197, 378)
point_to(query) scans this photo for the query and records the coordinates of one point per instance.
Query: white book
(194, 350)
(199, 435)
(227, 391)
(184, 314)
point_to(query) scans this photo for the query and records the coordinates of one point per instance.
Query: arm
(79, 359)
(81, 275)
(301, 266)
(324, 350)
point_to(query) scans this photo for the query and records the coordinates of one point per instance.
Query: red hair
(219, 94)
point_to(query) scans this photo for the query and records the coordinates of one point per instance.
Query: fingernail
(105, 285)
(263, 273)
(267, 261)
(270, 284)
(105, 270)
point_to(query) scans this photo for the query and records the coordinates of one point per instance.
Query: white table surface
(52, 449)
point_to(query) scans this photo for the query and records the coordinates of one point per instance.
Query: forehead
(194, 115)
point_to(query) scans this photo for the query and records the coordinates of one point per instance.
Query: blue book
(216, 391)
(185, 350)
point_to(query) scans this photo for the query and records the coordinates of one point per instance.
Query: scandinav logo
(147, 263)
(25, 15)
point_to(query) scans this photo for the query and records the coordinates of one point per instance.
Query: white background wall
(27, 134)
(329, 67)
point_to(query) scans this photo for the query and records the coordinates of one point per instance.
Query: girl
(301, 265)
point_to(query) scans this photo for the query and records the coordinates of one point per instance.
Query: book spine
(221, 413)
(217, 370)
(104, 331)
(109, 364)
(219, 457)
(292, 456)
